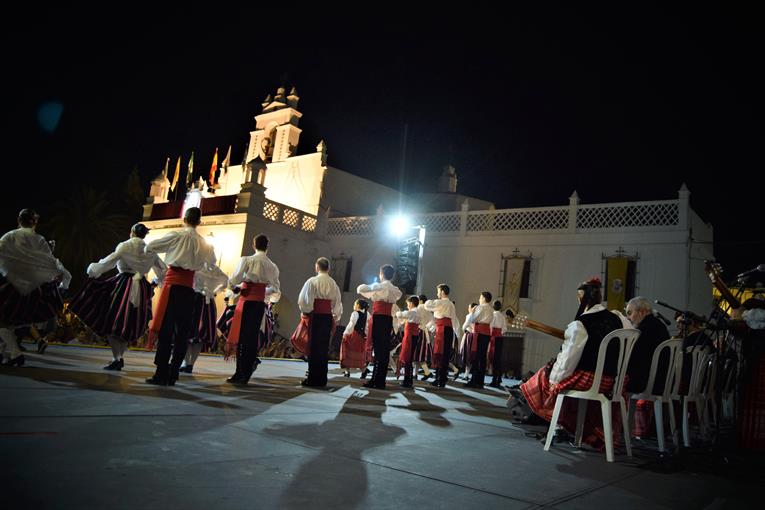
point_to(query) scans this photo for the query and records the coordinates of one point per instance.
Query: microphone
(758, 269)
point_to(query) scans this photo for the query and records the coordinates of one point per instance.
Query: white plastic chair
(674, 347)
(626, 339)
(699, 382)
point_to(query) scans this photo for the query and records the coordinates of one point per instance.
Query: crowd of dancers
(184, 322)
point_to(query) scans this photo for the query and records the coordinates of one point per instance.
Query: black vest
(598, 325)
(361, 324)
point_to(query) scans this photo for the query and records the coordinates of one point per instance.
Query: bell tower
(276, 132)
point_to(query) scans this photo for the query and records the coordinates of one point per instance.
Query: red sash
(480, 328)
(439, 341)
(411, 332)
(381, 308)
(249, 292)
(173, 276)
(322, 306)
(495, 332)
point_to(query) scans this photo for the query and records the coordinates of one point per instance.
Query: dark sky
(619, 105)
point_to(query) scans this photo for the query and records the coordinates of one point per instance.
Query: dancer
(118, 308)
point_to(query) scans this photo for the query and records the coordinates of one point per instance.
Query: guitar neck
(544, 328)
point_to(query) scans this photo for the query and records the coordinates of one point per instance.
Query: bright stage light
(399, 226)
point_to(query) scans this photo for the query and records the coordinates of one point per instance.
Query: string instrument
(714, 271)
(521, 321)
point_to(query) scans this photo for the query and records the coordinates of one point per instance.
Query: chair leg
(659, 419)
(631, 413)
(554, 421)
(686, 434)
(581, 413)
(673, 423)
(626, 427)
(605, 409)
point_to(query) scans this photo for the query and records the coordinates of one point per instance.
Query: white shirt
(383, 291)
(27, 262)
(482, 314)
(409, 316)
(210, 281)
(468, 327)
(258, 268)
(130, 257)
(444, 309)
(427, 320)
(184, 248)
(352, 324)
(321, 286)
(499, 321)
(573, 345)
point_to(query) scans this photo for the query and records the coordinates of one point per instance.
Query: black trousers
(249, 331)
(497, 361)
(382, 330)
(177, 327)
(478, 371)
(448, 347)
(321, 332)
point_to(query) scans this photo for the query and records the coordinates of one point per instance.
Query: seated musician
(574, 367)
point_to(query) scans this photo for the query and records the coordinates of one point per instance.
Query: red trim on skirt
(541, 395)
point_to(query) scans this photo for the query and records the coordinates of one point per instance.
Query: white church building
(532, 259)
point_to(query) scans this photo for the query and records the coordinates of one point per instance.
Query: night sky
(619, 105)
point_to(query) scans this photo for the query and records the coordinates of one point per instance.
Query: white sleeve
(238, 276)
(305, 299)
(431, 305)
(274, 290)
(570, 352)
(107, 263)
(351, 323)
(337, 299)
(626, 324)
(160, 268)
(472, 317)
(162, 244)
(368, 291)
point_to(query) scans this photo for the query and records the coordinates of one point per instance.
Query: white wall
(350, 195)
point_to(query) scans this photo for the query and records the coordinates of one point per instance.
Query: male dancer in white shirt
(185, 253)
(257, 278)
(320, 298)
(383, 295)
(447, 324)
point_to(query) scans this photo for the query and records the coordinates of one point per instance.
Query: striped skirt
(423, 351)
(40, 305)
(266, 334)
(465, 350)
(541, 395)
(103, 304)
(205, 331)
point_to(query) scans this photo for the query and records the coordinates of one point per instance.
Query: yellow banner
(617, 282)
(513, 279)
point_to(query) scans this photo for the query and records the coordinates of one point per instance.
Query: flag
(177, 173)
(213, 168)
(227, 161)
(616, 282)
(190, 173)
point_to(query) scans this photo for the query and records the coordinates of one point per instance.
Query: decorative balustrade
(294, 218)
(572, 218)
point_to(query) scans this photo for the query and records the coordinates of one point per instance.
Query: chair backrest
(674, 347)
(700, 370)
(626, 338)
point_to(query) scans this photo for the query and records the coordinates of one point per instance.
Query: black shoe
(365, 373)
(17, 361)
(456, 376)
(234, 379)
(41, 346)
(346, 374)
(406, 383)
(114, 365)
(187, 369)
(122, 364)
(311, 384)
(369, 384)
(426, 377)
(157, 381)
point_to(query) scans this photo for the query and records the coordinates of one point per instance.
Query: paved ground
(75, 436)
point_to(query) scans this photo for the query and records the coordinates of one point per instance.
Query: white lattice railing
(543, 218)
(626, 215)
(351, 226)
(281, 213)
(570, 218)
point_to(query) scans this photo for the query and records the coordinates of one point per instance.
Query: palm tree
(85, 230)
